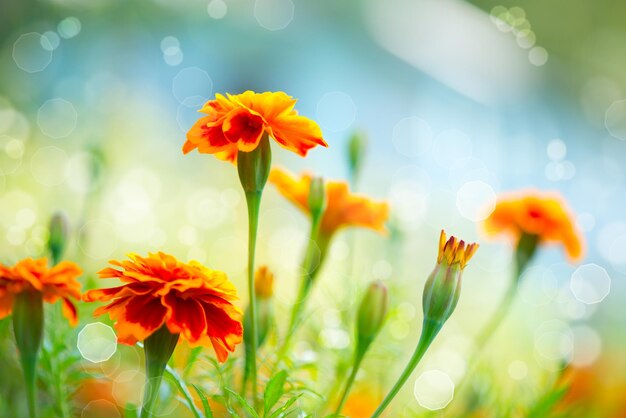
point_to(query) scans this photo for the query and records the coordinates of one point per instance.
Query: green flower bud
(357, 146)
(317, 197)
(254, 166)
(443, 287)
(371, 315)
(57, 238)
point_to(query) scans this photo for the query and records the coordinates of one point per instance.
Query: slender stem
(313, 259)
(253, 200)
(430, 329)
(358, 358)
(158, 349)
(28, 322)
(28, 368)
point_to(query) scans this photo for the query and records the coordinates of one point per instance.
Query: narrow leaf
(243, 403)
(280, 411)
(205, 402)
(274, 390)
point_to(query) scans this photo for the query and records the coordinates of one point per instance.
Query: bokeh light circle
(97, 342)
(274, 14)
(100, 408)
(336, 111)
(452, 147)
(98, 239)
(217, 9)
(615, 119)
(48, 166)
(433, 390)
(192, 86)
(538, 56)
(587, 346)
(590, 283)
(32, 52)
(57, 118)
(475, 200)
(412, 136)
(518, 370)
(69, 27)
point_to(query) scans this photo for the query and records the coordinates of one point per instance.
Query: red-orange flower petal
(342, 207)
(190, 299)
(544, 214)
(28, 275)
(237, 122)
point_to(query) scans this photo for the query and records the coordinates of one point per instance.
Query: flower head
(28, 275)
(342, 207)
(443, 287)
(189, 299)
(540, 214)
(237, 122)
(264, 283)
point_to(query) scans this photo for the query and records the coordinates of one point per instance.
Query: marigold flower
(443, 287)
(58, 282)
(342, 207)
(237, 123)
(541, 214)
(189, 299)
(264, 283)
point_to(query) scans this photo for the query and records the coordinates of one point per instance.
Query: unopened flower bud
(317, 197)
(357, 146)
(264, 283)
(57, 238)
(443, 287)
(372, 313)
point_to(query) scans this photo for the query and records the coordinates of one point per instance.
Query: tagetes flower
(541, 214)
(158, 290)
(58, 282)
(237, 122)
(343, 208)
(454, 251)
(361, 404)
(264, 283)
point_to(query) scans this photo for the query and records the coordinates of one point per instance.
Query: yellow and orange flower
(541, 214)
(342, 207)
(264, 283)
(455, 250)
(158, 290)
(237, 123)
(28, 275)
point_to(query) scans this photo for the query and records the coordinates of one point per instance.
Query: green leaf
(274, 390)
(281, 411)
(205, 402)
(243, 403)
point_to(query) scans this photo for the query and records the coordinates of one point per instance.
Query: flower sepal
(254, 166)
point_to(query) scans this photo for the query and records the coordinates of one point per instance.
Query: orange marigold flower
(541, 214)
(58, 282)
(342, 207)
(237, 123)
(189, 299)
(264, 283)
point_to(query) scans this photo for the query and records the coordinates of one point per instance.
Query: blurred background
(460, 102)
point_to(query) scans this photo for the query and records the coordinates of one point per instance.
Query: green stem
(158, 349)
(253, 200)
(313, 259)
(28, 329)
(430, 329)
(358, 358)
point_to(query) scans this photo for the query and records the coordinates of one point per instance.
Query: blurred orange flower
(542, 214)
(237, 123)
(189, 299)
(264, 283)
(361, 404)
(342, 207)
(28, 275)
